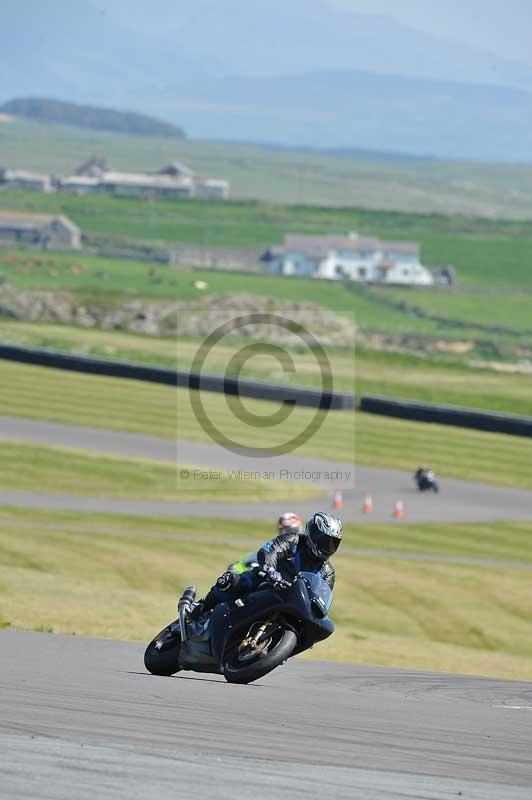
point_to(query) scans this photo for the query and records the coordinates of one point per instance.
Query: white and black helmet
(323, 534)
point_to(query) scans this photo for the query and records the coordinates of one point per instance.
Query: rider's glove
(272, 576)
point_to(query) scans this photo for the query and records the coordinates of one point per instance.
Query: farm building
(21, 179)
(174, 180)
(212, 188)
(177, 170)
(44, 230)
(351, 257)
(131, 183)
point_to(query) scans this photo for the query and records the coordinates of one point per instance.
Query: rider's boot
(224, 584)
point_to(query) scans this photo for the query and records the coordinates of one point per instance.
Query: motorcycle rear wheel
(265, 663)
(164, 660)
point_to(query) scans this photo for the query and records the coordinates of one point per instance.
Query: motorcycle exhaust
(183, 607)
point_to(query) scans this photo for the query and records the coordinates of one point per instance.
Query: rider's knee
(226, 583)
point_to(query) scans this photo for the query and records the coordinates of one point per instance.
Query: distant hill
(294, 72)
(101, 119)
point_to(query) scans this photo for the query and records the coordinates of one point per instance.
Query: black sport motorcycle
(249, 637)
(427, 483)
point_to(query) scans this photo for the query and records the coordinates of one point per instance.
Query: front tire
(163, 660)
(238, 673)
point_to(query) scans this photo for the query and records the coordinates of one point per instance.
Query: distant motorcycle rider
(282, 558)
(418, 474)
(426, 479)
(289, 523)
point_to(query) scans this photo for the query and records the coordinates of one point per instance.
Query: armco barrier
(447, 415)
(208, 383)
(268, 391)
(94, 366)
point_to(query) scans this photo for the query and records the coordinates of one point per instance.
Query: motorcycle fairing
(196, 653)
(228, 617)
(310, 623)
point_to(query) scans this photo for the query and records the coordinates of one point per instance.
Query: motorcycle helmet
(289, 523)
(323, 534)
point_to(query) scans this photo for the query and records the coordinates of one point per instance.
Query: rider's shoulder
(290, 538)
(280, 541)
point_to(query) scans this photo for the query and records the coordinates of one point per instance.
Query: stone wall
(232, 258)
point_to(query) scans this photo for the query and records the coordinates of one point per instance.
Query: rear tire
(233, 673)
(163, 661)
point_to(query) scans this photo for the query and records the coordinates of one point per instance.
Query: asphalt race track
(80, 718)
(459, 501)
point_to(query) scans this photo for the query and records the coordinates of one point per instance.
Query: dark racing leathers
(288, 554)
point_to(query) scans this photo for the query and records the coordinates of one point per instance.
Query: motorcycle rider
(419, 474)
(290, 552)
(287, 523)
(425, 478)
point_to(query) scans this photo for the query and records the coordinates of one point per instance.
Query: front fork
(253, 642)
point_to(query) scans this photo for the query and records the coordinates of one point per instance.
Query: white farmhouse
(349, 257)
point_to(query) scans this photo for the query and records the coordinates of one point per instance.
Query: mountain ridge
(229, 72)
(46, 109)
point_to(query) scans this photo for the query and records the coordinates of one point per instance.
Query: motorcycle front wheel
(280, 648)
(162, 653)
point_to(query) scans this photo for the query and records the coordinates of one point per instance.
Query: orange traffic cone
(399, 510)
(367, 508)
(338, 501)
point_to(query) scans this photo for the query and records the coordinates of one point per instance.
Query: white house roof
(144, 180)
(321, 246)
(80, 180)
(23, 175)
(400, 247)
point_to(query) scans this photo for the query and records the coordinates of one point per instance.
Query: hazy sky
(502, 26)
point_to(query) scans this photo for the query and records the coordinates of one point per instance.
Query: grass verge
(60, 396)
(367, 371)
(476, 247)
(100, 575)
(57, 470)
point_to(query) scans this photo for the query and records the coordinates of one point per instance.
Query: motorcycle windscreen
(319, 589)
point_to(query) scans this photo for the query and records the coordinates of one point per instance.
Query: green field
(58, 470)
(365, 371)
(117, 404)
(286, 177)
(491, 254)
(97, 575)
(376, 309)
(460, 310)
(490, 326)
(436, 377)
